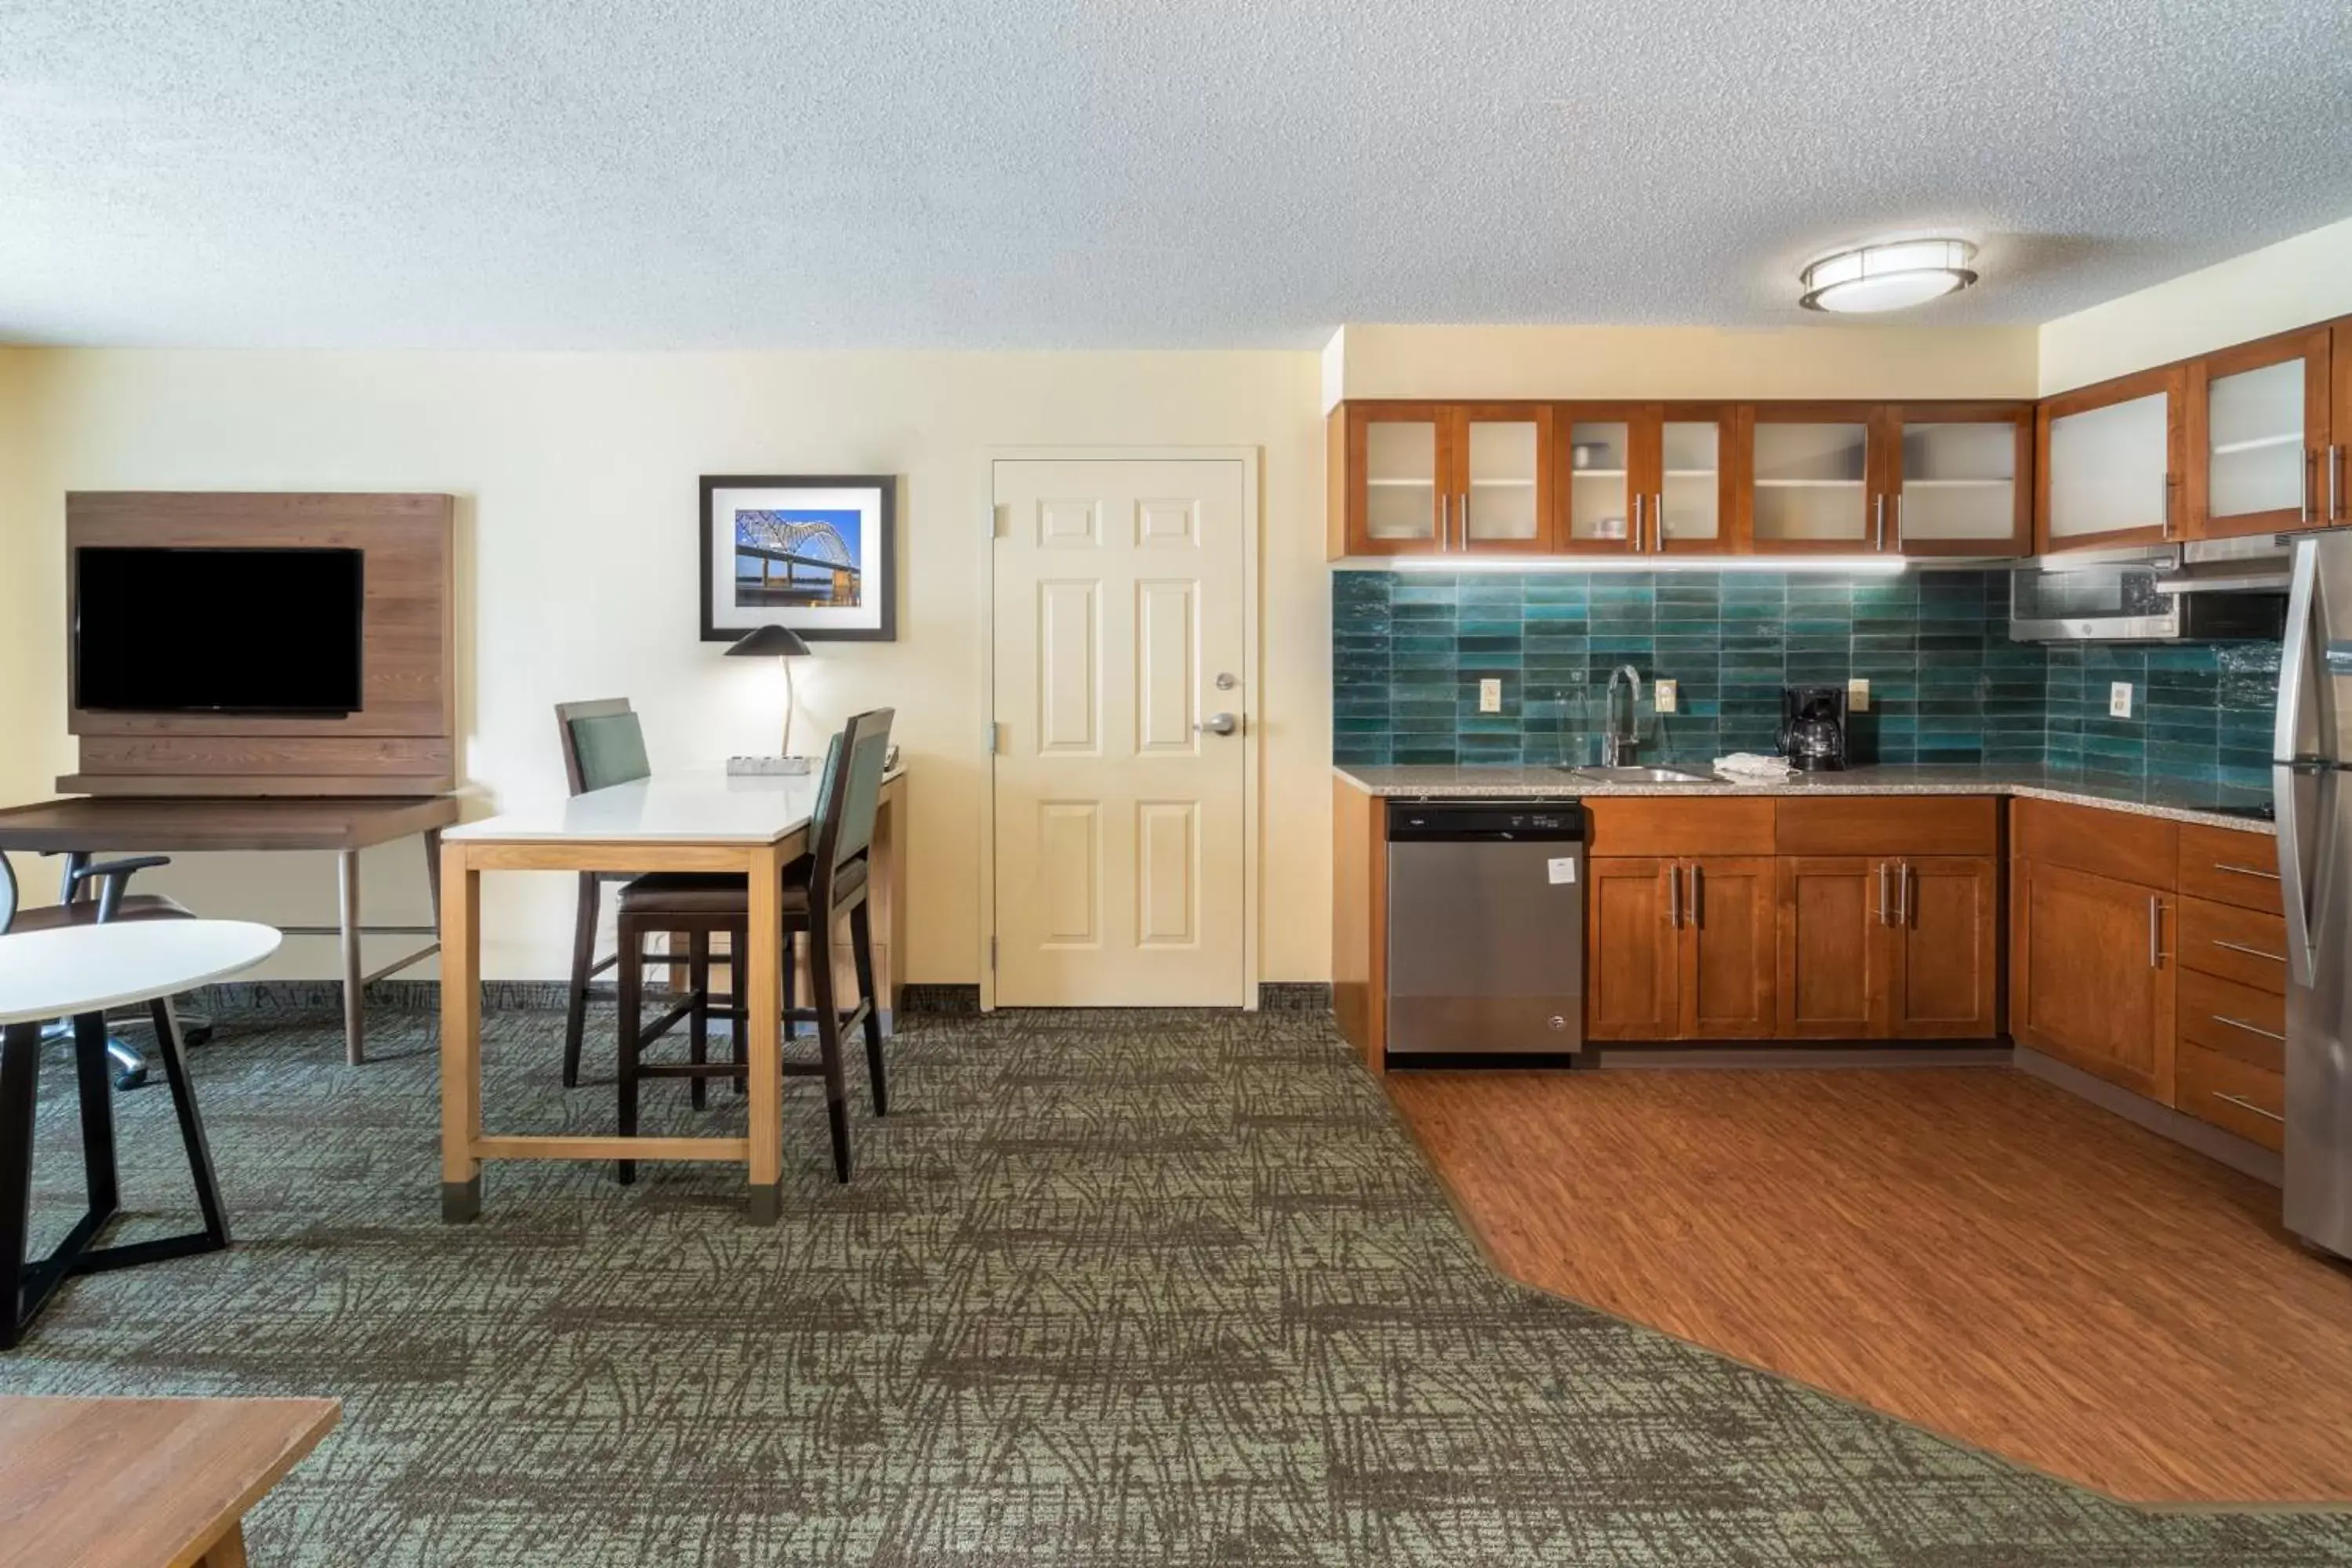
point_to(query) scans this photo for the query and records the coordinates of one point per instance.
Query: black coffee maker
(1812, 727)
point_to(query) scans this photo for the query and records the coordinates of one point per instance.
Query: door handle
(2155, 933)
(2335, 483)
(1895, 506)
(1886, 905)
(2303, 512)
(1878, 509)
(1462, 521)
(1218, 725)
(1902, 894)
(1658, 520)
(1444, 521)
(1675, 895)
(1698, 917)
(1638, 546)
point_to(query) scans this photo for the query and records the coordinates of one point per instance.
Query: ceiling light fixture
(1888, 277)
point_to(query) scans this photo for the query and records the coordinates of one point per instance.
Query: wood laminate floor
(1968, 1248)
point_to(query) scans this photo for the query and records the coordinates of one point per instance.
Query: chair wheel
(132, 1078)
(201, 1036)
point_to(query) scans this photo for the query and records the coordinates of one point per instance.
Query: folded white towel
(1747, 767)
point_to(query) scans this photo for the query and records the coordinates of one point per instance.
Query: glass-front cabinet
(1956, 479)
(2258, 438)
(2109, 463)
(1815, 479)
(1429, 478)
(1646, 479)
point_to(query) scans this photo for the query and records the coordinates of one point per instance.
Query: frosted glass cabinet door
(1687, 505)
(2258, 431)
(1601, 484)
(1501, 502)
(1962, 483)
(2108, 467)
(1813, 483)
(1402, 480)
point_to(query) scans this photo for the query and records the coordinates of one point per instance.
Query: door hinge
(996, 522)
(992, 956)
(992, 737)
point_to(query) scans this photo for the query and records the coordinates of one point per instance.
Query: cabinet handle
(2310, 456)
(2171, 481)
(2246, 870)
(2249, 951)
(1878, 506)
(1638, 546)
(1462, 522)
(2250, 1028)
(2155, 933)
(1884, 903)
(1697, 915)
(1658, 520)
(2335, 472)
(1903, 874)
(2244, 1104)
(1444, 521)
(1675, 895)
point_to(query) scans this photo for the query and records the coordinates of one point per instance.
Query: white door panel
(1121, 596)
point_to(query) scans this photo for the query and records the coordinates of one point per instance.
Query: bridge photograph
(797, 558)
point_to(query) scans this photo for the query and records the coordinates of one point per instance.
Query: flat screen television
(216, 631)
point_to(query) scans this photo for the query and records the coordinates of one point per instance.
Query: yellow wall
(2296, 282)
(1816, 359)
(577, 544)
(32, 669)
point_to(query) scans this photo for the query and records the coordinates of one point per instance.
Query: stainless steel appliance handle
(2300, 957)
(1675, 895)
(2250, 1028)
(1885, 904)
(2244, 1104)
(2287, 763)
(2249, 951)
(2155, 933)
(1658, 520)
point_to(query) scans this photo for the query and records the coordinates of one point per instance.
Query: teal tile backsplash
(1409, 650)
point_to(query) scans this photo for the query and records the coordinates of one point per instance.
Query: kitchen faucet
(1616, 749)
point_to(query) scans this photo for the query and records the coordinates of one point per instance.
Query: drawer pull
(2249, 951)
(2244, 1104)
(2246, 870)
(2250, 1028)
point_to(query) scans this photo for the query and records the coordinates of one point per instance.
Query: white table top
(85, 969)
(701, 806)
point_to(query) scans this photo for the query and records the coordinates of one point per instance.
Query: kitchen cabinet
(2108, 462)
(2335, 476)
(2230, 1055)
(1441, 479)
(2259, 438)
(1648, 479)
(2093, 975)
(1817, 478)
(1727, 945)
(1958, 479)
(1889, 948)
(1633, 967)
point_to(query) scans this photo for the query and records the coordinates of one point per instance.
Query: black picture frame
(881, 566)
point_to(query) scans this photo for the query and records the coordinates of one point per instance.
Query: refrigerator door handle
(2295, 654)
(2293, 894)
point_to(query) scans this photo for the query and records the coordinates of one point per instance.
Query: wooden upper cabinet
(2335, 477)
(1438, 478)
(1647, 478)
(1817, 476)
(2109, 463)
(1958, 479)
(2259, 438)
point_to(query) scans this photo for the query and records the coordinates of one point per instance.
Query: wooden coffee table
(144, 1483)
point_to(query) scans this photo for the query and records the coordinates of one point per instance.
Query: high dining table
(702, 820)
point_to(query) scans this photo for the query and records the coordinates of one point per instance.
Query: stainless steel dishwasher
(1485, 904)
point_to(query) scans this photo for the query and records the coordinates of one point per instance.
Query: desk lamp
(783, 645)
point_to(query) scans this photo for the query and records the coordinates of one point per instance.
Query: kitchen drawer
(1889, 825)
(1664, 826)
(2234, 1019)
(2234, 868)
(2144, 850)
(2244, 945)
(2234, 1096)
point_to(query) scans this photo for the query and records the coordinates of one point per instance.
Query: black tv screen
(216, 631)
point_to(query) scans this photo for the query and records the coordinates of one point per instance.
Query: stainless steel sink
(1642, 776)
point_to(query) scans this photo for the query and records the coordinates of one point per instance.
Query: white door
(1122, 767)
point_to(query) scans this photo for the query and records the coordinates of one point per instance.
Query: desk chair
(820, 889)
(605, 744)
(80, 907)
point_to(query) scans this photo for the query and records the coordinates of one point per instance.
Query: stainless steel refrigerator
(2311, 774)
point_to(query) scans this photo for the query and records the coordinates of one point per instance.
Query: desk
(174, 825)
(145, 1483)
(78, 972)
(697, 821)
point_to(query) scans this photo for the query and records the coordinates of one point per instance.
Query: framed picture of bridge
(812, 553)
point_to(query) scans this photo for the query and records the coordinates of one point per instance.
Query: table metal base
(27, 1285)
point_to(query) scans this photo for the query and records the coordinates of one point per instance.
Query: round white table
(79, 973)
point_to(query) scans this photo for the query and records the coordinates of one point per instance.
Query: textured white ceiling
(1052, 173)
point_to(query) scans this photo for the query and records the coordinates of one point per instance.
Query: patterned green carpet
(1107, 1289)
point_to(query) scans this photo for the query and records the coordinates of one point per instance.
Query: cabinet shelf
(1597, 473)
(1509, 484)
(2258, 444)
(1955, 484)
(1406, 484)
(1808, 484)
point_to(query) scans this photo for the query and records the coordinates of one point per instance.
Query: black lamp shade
(771, 642)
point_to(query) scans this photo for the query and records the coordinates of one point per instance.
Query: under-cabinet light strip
(1875, 565)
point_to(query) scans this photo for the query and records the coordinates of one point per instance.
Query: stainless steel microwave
(2207, 591)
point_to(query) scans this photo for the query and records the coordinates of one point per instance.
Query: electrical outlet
(1857, 696)
(1669, 695)
(1490, 696)
(2119, 699)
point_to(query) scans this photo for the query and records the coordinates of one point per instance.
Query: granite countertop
(2172, 799)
